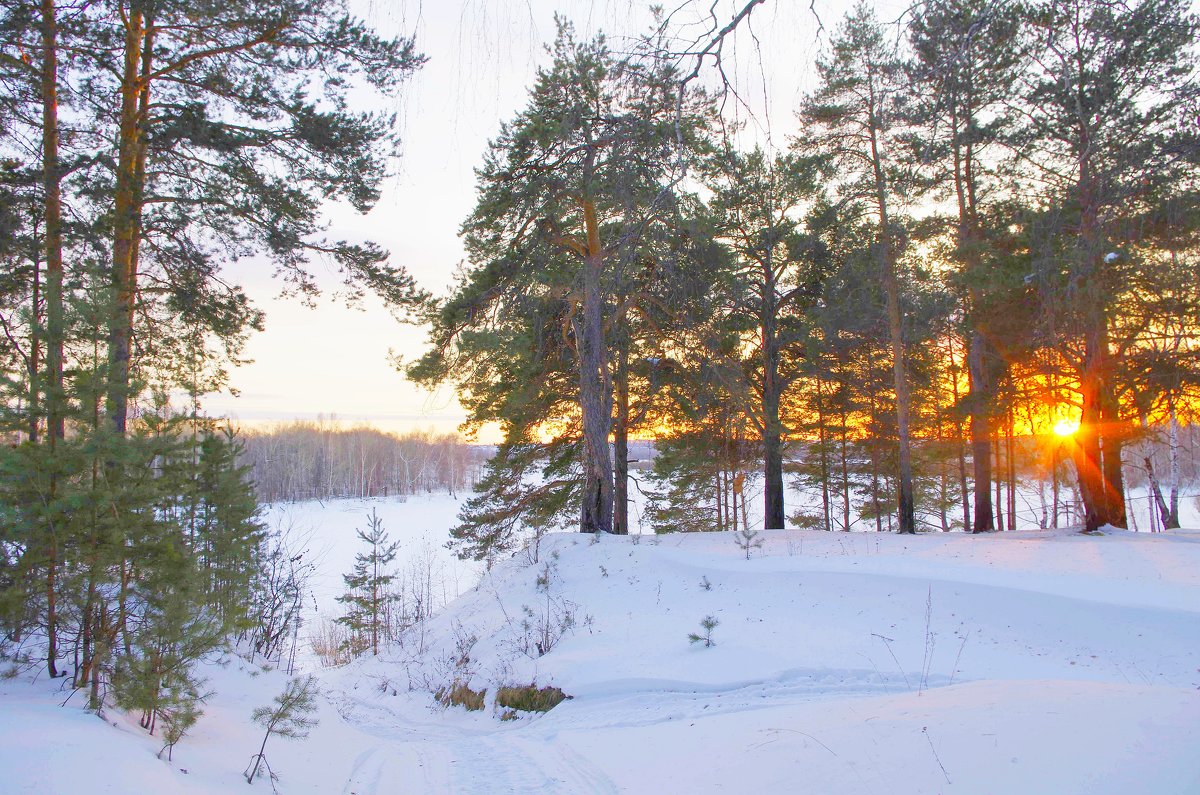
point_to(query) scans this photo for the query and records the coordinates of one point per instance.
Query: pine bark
(773, 505)
(621, 442)
(126, 211)
(595, 388)
(891, 287)
(54, 393)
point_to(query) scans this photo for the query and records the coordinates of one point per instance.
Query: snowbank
(1032, 662)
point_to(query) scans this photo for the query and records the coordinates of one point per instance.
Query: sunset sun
(1065, 428)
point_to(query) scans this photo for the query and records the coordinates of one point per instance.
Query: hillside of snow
(1031, 662)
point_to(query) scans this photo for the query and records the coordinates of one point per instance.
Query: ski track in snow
(531, 757)
(483, 763)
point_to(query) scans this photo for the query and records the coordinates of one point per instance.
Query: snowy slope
(1020, 662)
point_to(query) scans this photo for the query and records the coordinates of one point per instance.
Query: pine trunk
(980, 396)
(53, 380)
(621, 443)
(772, 427)
(595, 389)
(959, 446)
(891, 288)
(126, 210)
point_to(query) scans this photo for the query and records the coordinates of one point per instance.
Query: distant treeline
(308, 460)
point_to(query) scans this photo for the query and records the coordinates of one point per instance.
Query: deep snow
(1031, 662)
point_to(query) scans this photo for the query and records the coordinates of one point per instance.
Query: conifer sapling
(289, 717)
(708, 624)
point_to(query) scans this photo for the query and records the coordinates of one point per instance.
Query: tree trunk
(1098, 457)
(1172, 520)
(52, 186)
(874, 448)
(963, 488)
(845, 466)
(1010, 453)
(999, 482)
(891, 288)
(595, 389)
(126, 209)
(982, 393)
(1164, 511)
(621, 443)
(720, 501)
(35, 348)
(1113, 441)
(773, 507)
(1086, 453)
(826, 474)
(1054, 482)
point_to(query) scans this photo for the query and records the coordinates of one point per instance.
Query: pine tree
(219, 132)
(1104, 134)
(367, 593)
(775, 275)
(574, 198)
(853, 120)
(966, 60)
(289, 717)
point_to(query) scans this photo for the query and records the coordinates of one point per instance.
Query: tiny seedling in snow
(747, 540)
(705, 584)
(708, 624)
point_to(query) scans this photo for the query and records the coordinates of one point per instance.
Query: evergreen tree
(510, 503)
(572, 192)
(853, 120)
(1104, 134)
(775, 276)
(966, 61)
(222, 149)
(367, 592)
(289, 717)
(219, 133)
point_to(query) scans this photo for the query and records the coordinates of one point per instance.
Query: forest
(145, 148)
(320, 460)
(977, 255)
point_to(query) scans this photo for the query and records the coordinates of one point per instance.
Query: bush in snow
(529, 698)
(542, 628)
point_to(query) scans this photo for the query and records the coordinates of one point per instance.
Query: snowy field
(1029, 662)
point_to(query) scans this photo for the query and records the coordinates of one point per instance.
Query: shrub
(459, 694)
(529, 698)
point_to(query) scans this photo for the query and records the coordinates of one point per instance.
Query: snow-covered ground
(1029, 662)
(328, 531)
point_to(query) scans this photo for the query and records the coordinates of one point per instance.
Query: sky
(335, 360)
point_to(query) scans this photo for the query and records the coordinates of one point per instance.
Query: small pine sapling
(747, 540)
(367, 594)
(289, 717)
(179, 710)
(708, 624)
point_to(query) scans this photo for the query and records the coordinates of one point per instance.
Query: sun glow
(1065, 427)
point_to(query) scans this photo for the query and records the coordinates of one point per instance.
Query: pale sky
(483, 54)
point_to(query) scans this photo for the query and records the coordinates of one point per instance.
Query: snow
(1032, 662)
(329, 528)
